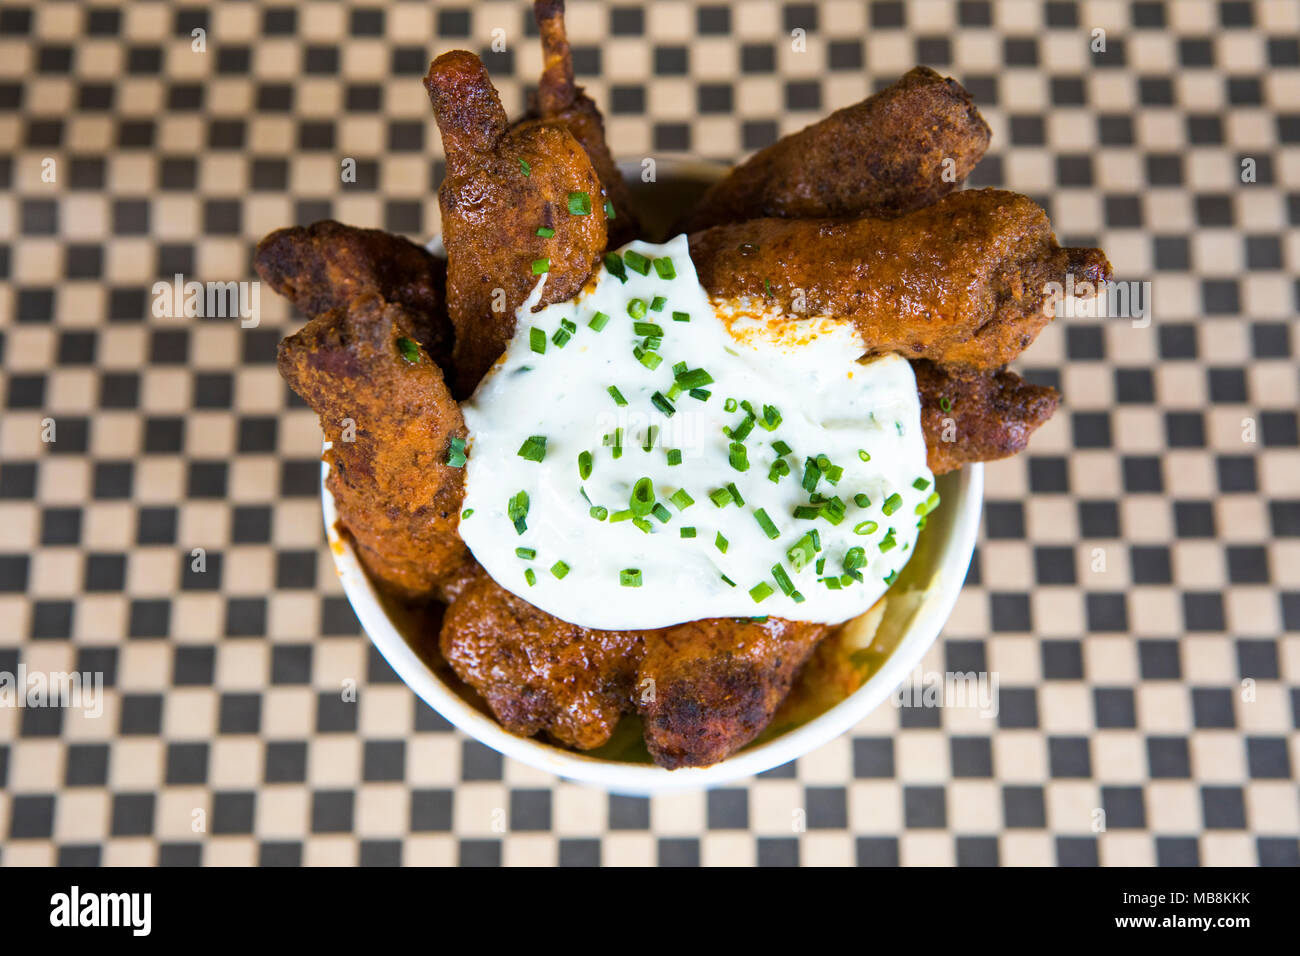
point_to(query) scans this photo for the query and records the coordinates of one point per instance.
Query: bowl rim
(641, 779)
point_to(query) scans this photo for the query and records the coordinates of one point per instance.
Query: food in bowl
(636, 481)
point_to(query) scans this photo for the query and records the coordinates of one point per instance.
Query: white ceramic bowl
(951, 533)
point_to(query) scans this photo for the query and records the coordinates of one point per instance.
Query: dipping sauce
(643, 456)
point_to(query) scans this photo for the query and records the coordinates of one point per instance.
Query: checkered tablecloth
(1137, 584)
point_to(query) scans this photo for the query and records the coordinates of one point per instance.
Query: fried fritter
(327, 265)
(716, 684)
(502, 185)
(385, 407)
(536, 672)
(989, 415)
(961, 282)
(560, 100)
(903, 148)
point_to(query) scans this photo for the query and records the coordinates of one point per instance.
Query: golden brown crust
(562, 101)
(961, 282)
(391, 422)
(492, 206)
(988, 415)
(327, 265)
(903, 148)
(710, 687)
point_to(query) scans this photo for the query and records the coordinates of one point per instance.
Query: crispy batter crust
(491, 210)
(990, 415)
(909, 145)
(561, 100)
(394, 491)
(327, 265)
(961, 282)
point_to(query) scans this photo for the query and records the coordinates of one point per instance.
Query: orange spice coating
(903, 148)
(503, 184)
(961, 282)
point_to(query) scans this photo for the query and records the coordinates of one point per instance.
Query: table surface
(1136, 589)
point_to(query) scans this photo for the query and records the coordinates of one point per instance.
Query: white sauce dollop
(630, 574)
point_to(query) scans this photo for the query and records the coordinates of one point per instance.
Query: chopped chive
(866, 527)
(738, 456)
(801, 553)
(920, 484)
(526, 553)
(664, 266)
(662, 513)
(661, 403)
(456, 453)
(729, 405)
(643, 525)
(831, 583)
(730, 582)
(812, 474)
(642, 499)
(636, 309)
(530, 576)
(540, 266)
(466, 513)
(579, 204)
(598, 321)
(533, 448)
(630, 577)
(770, 418)
(563, 333)
(693, 378)
(545, 232)
(559, 569)
(584, 465)
(681, 317)
(928, 505)
(781, 448)
(945, 404)
(891, 577)
(537, 340)
(524, 168)
(864, 454)
(761, 592)
(646, 328)
(410, 351)
(599, 512)
(518, 510)
(782, 580)
(888, 543)
(615, 394)
(674, 456)
(637, 262)
(688, 532)
(650, 360)
(651, 434)
(735, 494)
(658, 302)
(721, 497)
(892, 503)
(681, 499)
(721, 543)
(767, 287)
(821, 565)
(861, 500)
(855, 558)
(609, 210)
(614, 265)
(766, 524)
(624, 515)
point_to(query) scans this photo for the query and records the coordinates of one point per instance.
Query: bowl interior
(906, 622)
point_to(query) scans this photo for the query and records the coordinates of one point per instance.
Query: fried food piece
(560, 100)
(385, 407)
(536, 672)
(716, 684)
(327, 265)
(989, 415)
(502, 185)
(961, 282)
(903, 148)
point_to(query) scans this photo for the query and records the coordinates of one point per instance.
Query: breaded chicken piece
(962, 282)
(903, 148)
(536, 672)
(977, 416)
(385, 407)
(710, 687)
(502, 185)
(560, 100)
(327, 265)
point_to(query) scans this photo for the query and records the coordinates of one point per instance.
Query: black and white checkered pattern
(1136, 588)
